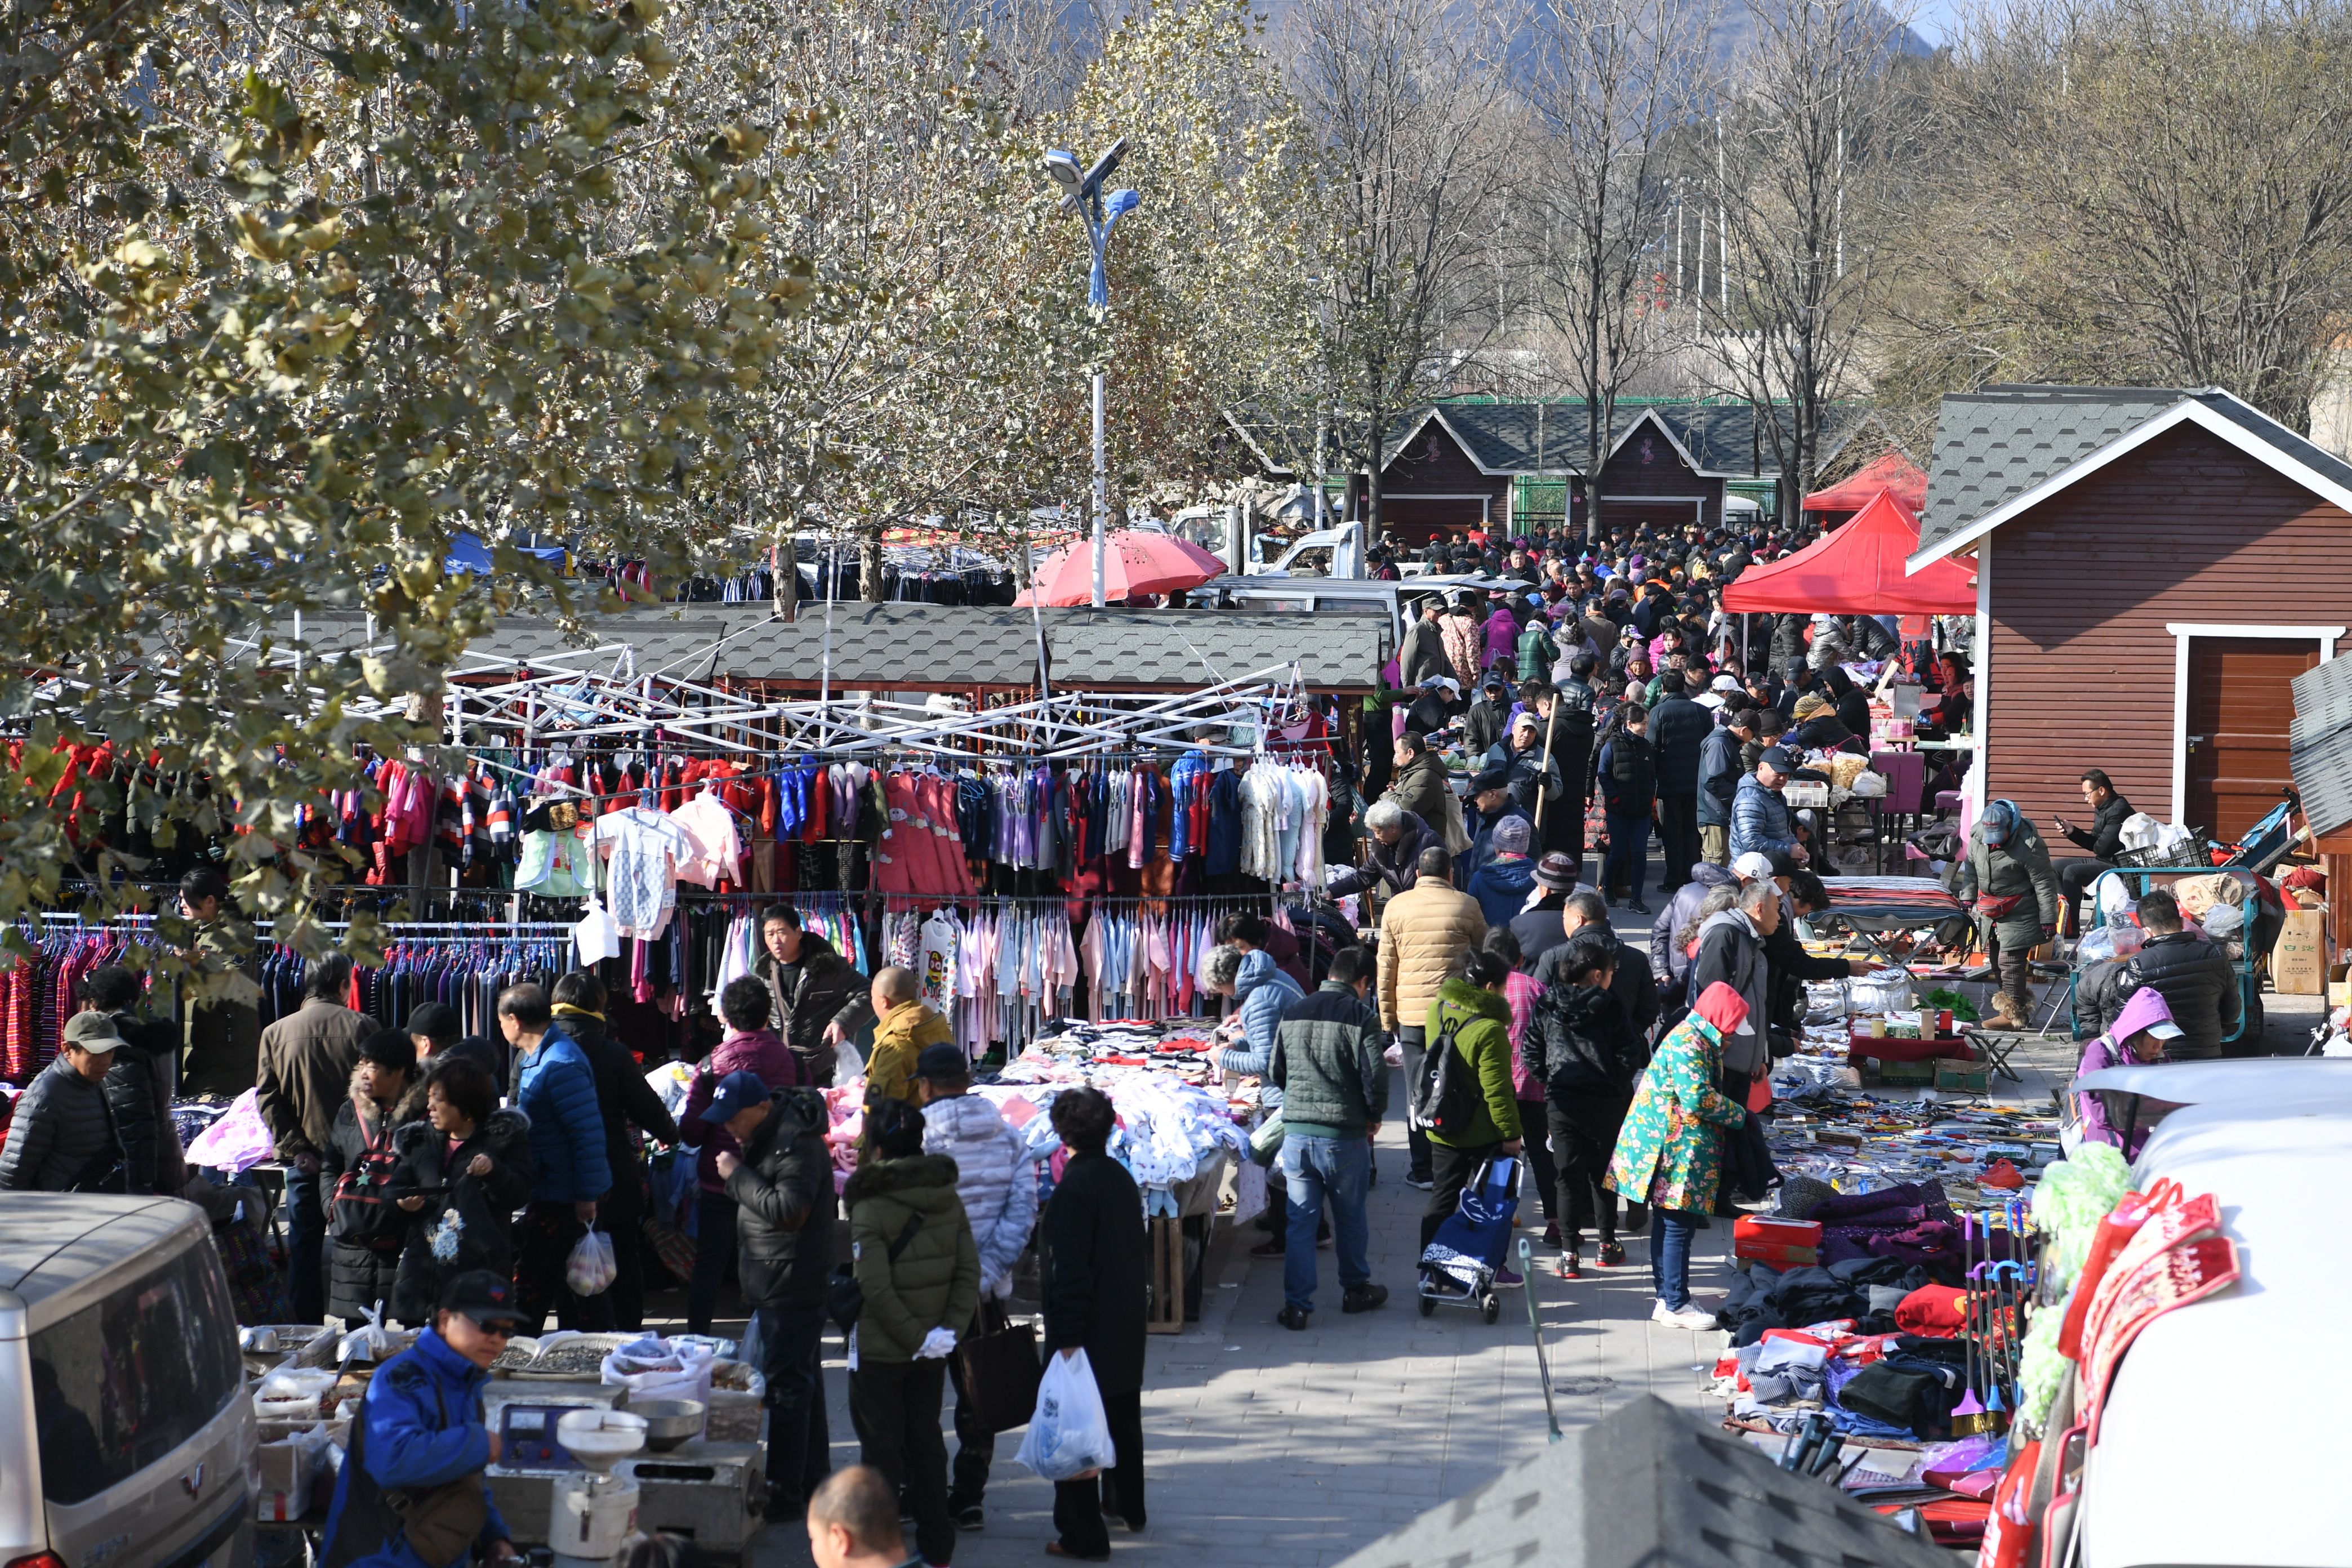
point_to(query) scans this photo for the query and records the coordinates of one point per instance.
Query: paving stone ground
(1268, 1446)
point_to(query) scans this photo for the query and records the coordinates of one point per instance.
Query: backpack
(361, 1209)
(1446, 1098)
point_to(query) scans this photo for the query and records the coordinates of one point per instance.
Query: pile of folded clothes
(1858, 1293)
(1911, 1223)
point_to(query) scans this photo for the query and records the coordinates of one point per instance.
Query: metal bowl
(670, 1422)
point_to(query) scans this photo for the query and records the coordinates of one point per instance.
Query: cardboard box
(2298, 962)
(1782, 1243)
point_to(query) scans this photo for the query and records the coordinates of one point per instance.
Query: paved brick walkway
(1299, 1448)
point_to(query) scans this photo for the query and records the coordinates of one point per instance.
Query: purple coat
(1502, 637)
(760, 1052)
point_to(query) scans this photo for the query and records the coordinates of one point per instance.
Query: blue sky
(1934, 19)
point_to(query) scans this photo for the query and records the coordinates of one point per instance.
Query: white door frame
(2182, 631)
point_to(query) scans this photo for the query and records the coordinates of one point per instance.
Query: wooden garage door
(2239, 713)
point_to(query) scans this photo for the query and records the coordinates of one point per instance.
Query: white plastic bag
(589, 1267)
(655, 1368)
(1069, 1436)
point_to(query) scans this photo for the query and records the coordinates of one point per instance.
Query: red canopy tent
(1890, 470)
(1858, 571)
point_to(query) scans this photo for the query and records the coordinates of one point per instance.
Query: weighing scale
(527, 1438)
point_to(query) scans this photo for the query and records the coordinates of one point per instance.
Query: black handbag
(845, 1297)
(997, 1370)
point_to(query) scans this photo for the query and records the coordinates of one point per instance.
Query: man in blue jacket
(1760, 823)
(570, 1174)
(411, 1493)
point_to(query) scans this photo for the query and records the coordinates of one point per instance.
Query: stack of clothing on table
(1909, 1223)
(1859, 1291)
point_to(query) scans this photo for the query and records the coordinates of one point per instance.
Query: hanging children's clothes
(643, 850)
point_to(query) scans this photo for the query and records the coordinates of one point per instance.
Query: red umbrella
(1135, 563)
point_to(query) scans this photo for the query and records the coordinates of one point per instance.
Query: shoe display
(1292, 1318)
(1613, 1255)
(1363, 1298)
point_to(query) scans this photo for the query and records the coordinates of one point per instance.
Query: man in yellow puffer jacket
(903, 1028)
(1424, 930)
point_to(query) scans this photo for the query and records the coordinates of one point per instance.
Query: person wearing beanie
(368, 1230)
(1502, 881)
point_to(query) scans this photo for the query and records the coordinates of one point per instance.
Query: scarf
(566, 1010)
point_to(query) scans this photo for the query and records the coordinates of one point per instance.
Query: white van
(124, 1427)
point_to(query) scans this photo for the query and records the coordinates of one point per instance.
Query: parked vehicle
(125, 1432)
(2217, 1400)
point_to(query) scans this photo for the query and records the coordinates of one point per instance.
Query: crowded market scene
(754, 1061)
(1389, 787)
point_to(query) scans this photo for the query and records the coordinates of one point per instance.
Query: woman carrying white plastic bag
(1069, 1436)
(1091, 1242)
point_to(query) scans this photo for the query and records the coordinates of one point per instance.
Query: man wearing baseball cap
(781, 1189)
(1759, 817)
(420, 1430)
(62, 1138)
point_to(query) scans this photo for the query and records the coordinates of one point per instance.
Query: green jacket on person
(1481, 1020)
(934, 1282)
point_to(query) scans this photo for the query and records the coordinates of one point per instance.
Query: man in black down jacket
(2193, 975)
(138, 1085)
(2101, 841)
(62, 1138)
(782, 1188)
(1091, 1247)
(1634, 986)
(821, 1000)
(1678, 729)
(628, 1105)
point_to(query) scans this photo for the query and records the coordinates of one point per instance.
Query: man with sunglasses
(411, 1493)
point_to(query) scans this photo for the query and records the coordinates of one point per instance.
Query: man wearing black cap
(1485, 723)
(1491, 802)
(436, 1030)
(781, 1186)
(420, 1433)
(1761, 823)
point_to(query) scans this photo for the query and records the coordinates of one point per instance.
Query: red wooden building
(2155, 568)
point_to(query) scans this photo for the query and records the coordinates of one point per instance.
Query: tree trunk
(869, 563)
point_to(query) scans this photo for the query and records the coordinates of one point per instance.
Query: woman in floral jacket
(1670, 1151)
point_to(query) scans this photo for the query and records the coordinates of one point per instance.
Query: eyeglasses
(496, 1331)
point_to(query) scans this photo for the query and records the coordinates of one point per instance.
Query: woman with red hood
(1670, 1150)
(2141, 1032)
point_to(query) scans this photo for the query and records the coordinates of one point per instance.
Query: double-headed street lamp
(1082, 191)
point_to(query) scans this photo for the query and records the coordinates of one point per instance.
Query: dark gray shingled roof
(1994, 445)
(1721, 437)
(905, 644)
(1648, 1484)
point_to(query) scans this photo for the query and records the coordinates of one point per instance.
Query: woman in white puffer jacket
(993, 1173)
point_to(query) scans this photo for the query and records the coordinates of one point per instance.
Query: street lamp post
(1082, 192)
